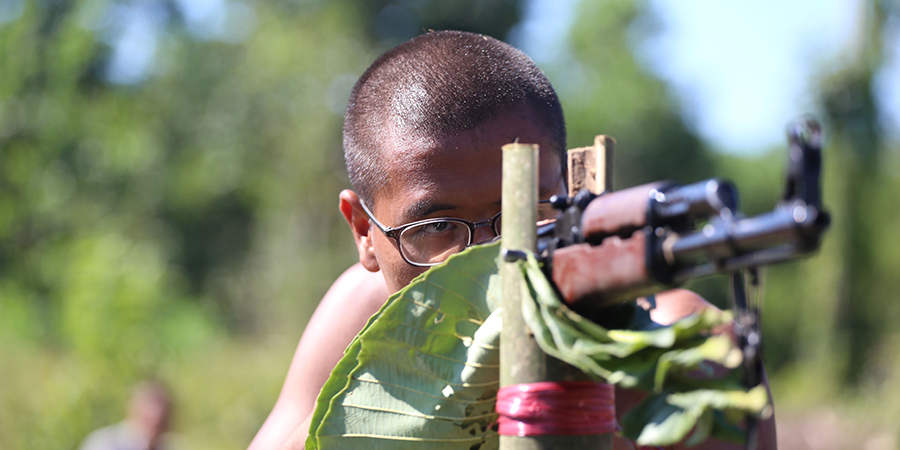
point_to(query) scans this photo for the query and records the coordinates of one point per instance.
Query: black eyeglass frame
(395, 232)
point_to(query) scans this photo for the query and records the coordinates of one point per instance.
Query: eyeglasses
(429, 242)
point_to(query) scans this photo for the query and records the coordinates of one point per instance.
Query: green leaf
(642, 356)
(667, 419)
(717, 349)
(423, 373)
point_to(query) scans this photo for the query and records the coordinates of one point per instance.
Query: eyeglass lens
(433, 242)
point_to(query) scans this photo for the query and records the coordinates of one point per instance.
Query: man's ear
(360, 227)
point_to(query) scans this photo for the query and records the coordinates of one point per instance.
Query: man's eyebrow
(424, 208)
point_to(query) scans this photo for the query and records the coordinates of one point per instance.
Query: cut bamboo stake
(521, 360)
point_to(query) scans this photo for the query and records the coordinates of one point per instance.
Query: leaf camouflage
(424, 371)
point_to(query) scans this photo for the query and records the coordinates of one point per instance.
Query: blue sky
(742, 70)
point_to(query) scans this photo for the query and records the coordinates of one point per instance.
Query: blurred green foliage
(169, 175)
(160, 225)
(606, 90)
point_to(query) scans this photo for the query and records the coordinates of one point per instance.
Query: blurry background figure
(148, 418)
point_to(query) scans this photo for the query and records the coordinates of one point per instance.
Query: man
(422, 138)
(149, 412)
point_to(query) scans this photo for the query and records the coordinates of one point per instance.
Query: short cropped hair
(438, 84)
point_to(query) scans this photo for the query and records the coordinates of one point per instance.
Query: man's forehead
(410, 148)
(416, 193)
(415, 164)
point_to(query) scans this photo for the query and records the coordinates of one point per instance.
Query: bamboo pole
(521, 360)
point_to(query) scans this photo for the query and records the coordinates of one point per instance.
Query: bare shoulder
(342, 313)
(356, 286)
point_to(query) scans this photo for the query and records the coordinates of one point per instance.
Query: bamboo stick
(521, 360)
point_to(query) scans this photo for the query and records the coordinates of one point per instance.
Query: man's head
(423, 132)
(150, 410)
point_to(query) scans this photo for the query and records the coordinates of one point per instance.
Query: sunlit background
(169, 172)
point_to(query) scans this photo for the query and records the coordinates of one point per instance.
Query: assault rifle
(617, 246)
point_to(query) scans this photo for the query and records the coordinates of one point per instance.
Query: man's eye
(441, 233)
(436, 227)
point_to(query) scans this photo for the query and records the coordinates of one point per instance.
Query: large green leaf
(423, 373)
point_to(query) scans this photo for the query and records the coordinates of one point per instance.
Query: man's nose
(483, 233)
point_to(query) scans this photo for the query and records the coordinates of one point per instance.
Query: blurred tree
(394, 21)
(864, 316)
(167, 178)
(606, 90)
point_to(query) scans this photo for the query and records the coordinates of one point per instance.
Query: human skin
(450, 176)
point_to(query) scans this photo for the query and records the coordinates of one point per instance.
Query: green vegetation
(169, 175)
(446, 325)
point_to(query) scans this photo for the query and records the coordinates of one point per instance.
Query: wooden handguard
(616, 249)
(622, 263)
(618, 213)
